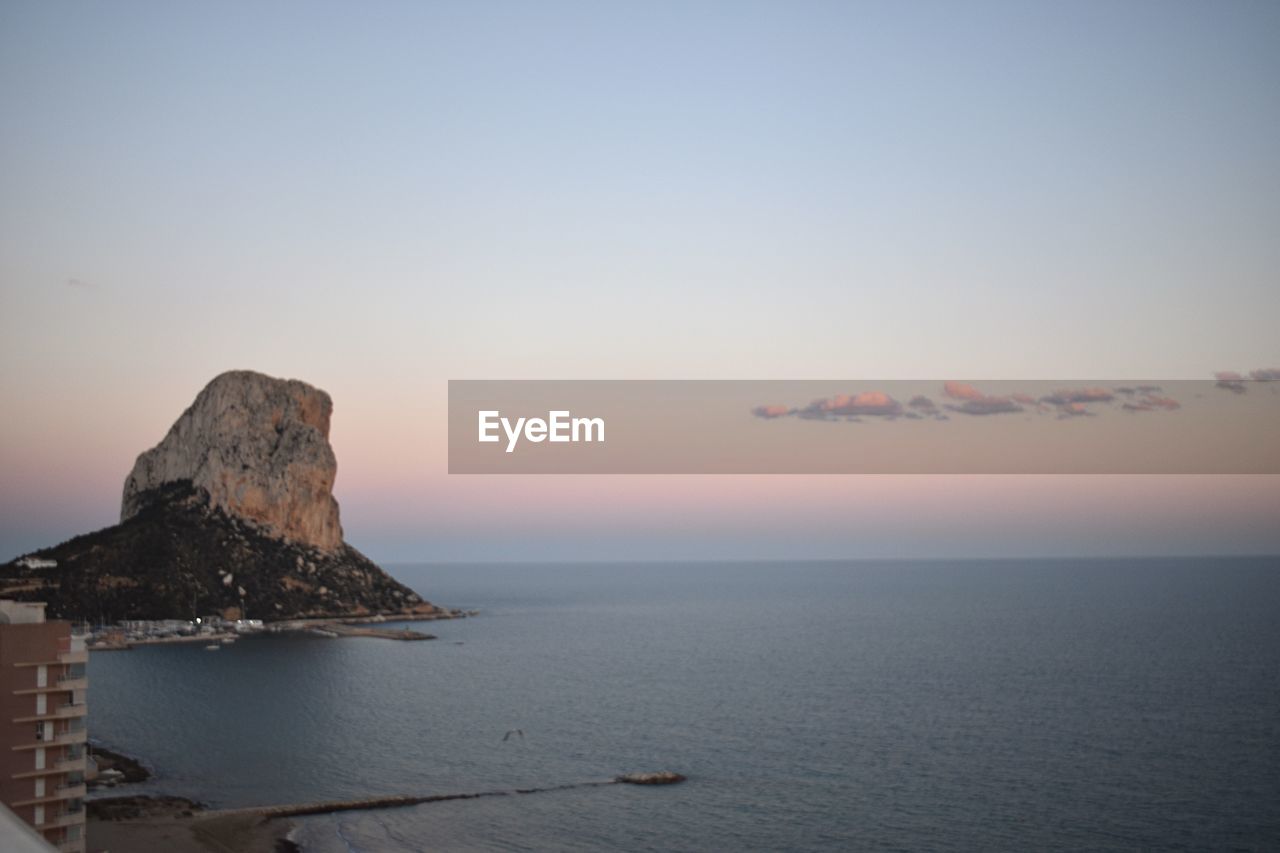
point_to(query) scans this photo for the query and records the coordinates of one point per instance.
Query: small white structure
(37, 563)
(21, 612)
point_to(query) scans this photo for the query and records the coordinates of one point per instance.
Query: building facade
(42, 723)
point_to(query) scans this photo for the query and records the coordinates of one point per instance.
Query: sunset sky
(379, 198)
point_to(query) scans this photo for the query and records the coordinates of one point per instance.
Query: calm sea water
(1012, 705)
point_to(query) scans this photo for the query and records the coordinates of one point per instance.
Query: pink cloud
(1152, 402)
(1073, 410)
(1230, 380)
(962, 391)
(974, 402)
(1070, 402)
(843, 405)
(1079, 395)
(1235, 382)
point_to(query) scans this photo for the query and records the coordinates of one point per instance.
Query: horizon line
(896, 559)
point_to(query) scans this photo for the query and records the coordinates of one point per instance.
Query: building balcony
(72, 765)
(57, 768)
(65, 711)
(73, 650)
(56, 685)
(70, 651)
(79, 735)
(69, 818)
(55, 794)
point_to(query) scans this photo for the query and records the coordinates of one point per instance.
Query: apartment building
(42, 723)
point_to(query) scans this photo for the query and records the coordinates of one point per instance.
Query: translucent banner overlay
(864, 427)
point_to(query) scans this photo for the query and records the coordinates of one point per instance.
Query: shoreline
(343, 626)
(121, 821)
(126, 822)
(114, 768)
(180, 825)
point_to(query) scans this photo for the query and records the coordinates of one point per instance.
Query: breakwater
(402, 800)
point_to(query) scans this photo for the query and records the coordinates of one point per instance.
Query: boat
(212, 647)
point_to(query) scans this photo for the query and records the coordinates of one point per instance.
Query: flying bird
(508, 735)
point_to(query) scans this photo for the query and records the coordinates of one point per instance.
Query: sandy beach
(176, 825)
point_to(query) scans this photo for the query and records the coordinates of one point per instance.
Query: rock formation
(260, 448)
(232, 514)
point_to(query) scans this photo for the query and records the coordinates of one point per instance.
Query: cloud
(1078, 395)
(846, 407)
(1236, 383)
(922, 404)
(80, 284)
(1070, 402)
(987, 406)
(1151, 403)
(1230, 380)
(1070, 409)
(961, 391)
(974, 402)
(875, 403)
(1167, 403)
(922, 407)
(969, 400)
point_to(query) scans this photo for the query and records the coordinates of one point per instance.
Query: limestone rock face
(232, 514)
(259, 447)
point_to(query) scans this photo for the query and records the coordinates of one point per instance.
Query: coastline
(179, 825)
(130, 822)
(126, 822)
(359, 625)
(115, 768)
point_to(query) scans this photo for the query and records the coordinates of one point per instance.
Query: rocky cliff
(231, 514)
(259, 448)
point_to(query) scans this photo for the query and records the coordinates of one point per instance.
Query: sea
(847, 705)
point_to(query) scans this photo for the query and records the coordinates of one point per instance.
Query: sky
(377, 198)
